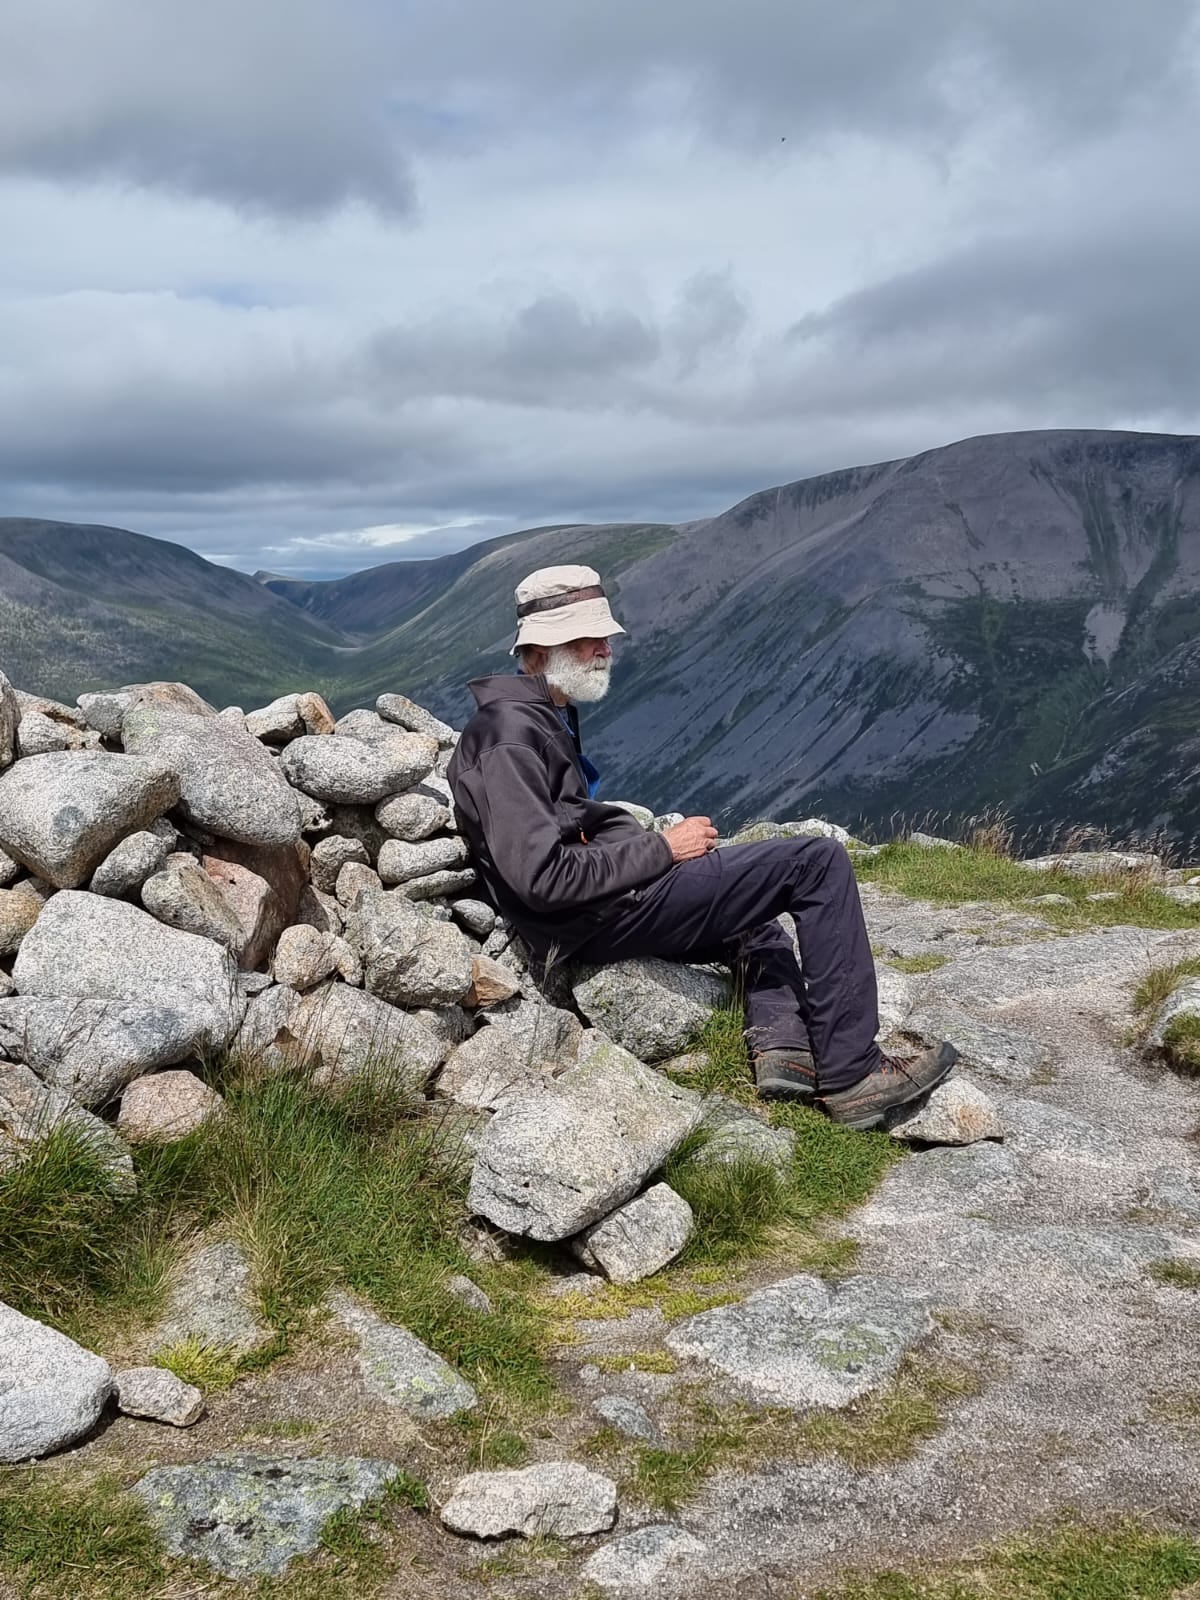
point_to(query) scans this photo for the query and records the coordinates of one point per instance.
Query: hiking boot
(786, 1075)
(893, 1083)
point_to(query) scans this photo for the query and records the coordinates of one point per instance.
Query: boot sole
(947, 1061)
(780, 1089)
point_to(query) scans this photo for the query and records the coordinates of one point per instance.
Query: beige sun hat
(558, 604)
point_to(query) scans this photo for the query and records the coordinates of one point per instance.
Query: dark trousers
(722, 907)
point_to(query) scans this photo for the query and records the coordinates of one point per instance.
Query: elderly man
(584, 880)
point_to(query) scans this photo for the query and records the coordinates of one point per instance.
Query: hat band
(552, 602)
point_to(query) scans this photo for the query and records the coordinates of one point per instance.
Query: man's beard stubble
(584, 682)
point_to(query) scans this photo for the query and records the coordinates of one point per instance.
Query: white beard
(581, 682)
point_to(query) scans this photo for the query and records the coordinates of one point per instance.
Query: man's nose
(603, 648)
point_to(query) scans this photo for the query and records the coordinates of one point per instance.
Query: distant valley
(1010, 621)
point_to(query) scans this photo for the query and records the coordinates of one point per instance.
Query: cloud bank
(308, 285)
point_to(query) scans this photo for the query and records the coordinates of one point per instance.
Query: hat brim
(585, 619)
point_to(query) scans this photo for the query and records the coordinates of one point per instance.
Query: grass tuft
(930, 961)
(320, 1189)
(70, 1239)
(728, 1069)
(1181, 1044)
(55, 1536)
(1126, 1561)
(955, 877)
(211, 1367)
(1159, 984)
(1176, 1273)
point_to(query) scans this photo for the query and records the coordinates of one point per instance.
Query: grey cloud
(299, 106)
(278, 105)
(802, 66)
(1100, 317)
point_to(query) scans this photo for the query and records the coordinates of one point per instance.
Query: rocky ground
(1004, 1331)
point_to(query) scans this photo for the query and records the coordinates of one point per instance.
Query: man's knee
(817, 854)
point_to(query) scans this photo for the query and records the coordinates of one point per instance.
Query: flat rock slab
(946, 1180)
(1096, 863)
(553, 1500)
(52, 1390)
(1002, 1053)
(399, 1369)
(213, 1302)
(87, 947)
(1108, 956)
(969, 1256)
(805, 1343)
(555, 1161)
(90, 1049)
(651, 1008)
(1038, 1130)
(246, 1514)
(61, 814)
(643, 1559)
(902, 927)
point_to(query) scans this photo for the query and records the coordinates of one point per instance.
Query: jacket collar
(512, 686)
(528, 690)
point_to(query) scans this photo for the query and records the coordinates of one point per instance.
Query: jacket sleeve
(524, 839)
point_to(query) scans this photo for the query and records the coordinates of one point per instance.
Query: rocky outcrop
(805, 1343)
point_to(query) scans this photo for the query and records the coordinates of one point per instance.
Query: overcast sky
(313, 284)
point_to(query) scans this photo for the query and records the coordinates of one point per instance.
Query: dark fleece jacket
(553, 861)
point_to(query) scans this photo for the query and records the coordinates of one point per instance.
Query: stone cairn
(178, 882)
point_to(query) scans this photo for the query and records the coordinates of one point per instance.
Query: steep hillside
(1006, 621)
(1011, 620)
(85, 607)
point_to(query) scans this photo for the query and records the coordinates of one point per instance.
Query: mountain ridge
(943, 632)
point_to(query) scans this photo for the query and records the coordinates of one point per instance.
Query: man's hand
(694, 836)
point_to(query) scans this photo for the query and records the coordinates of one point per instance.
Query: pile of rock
(178, 881)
